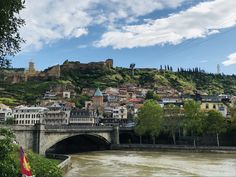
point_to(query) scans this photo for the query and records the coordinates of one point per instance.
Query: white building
(57, 114)
(120, 112)
(82, 117)
(24, 115)
(56, 117)
(5, 112)
(66, 94)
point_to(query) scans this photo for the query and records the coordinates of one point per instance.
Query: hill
(185, 81)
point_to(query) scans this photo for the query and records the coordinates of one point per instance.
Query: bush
(10, 160)
(42, 167)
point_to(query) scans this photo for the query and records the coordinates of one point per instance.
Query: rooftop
(98, 92)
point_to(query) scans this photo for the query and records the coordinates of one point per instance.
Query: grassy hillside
(185, 81)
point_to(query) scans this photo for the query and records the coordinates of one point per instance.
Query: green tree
(9, 120)
(149, 120)
(214, 123)
(5, 63)
(173, 120)
(151, 96)
(10, 22)
(193, 117)
(80, 101)
(233, 115)
(8, 167)
(139, 129)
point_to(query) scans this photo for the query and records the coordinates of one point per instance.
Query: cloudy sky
(150, 33)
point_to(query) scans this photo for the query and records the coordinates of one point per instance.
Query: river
(151, 164)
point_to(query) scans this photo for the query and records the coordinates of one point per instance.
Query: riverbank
(160, 147)
(65, 164)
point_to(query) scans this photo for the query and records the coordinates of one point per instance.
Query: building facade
(218, 106)
(120, 113)
(57, 114)
(82, 117)
(5, 112)
(24, 115)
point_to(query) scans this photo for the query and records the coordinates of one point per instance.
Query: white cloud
(204, 19)
(48, 20)
(230, 60)
(134, 8)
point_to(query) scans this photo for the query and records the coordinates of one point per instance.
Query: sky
(149, 33)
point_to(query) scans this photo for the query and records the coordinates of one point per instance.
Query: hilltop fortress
(21, 75)
(67, 65)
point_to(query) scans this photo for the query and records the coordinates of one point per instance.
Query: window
(221, 108)
(214, 106)
(207, 106)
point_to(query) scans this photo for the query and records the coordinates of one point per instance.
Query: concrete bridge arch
(50, 140)
(39, 138)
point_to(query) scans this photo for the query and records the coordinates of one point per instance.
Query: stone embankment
(159, 147)
(65, 164)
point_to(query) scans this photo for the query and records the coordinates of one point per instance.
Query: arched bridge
(41, 137)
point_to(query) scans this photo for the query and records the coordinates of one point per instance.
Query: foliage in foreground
(10, 163)
(9, 29)
(42, 167)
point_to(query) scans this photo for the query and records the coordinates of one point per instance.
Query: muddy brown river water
(151, 164)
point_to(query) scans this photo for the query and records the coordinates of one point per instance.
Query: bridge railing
(79, 127)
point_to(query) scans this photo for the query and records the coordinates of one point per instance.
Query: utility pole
(218, 69)
(132, 65)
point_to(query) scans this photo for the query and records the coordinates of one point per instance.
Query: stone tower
(98, 98)
(109, 63)
(30, 72)
(31, 69)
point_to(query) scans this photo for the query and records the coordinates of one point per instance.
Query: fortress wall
(54, 71)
